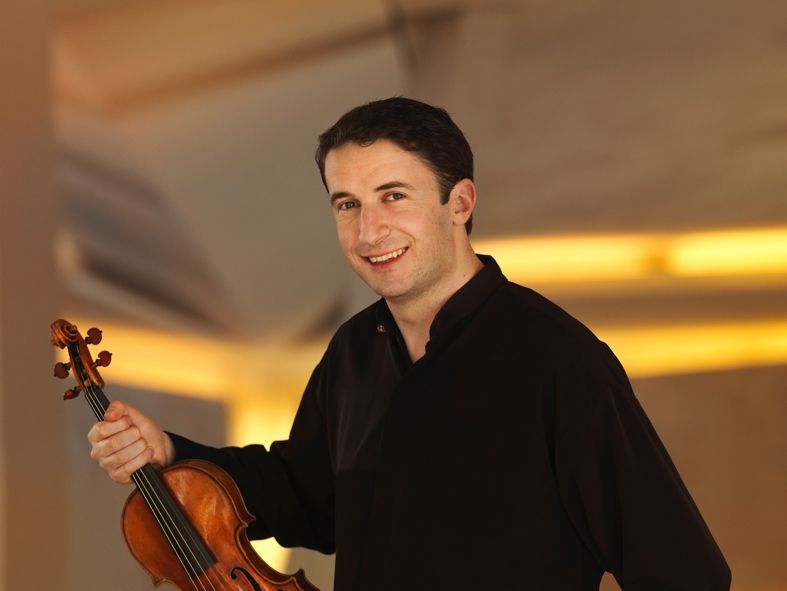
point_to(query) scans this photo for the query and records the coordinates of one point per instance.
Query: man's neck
(414, 316)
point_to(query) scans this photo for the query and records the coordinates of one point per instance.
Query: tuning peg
(93, 336)
(104, 358)
(72, 393)
(61, 370)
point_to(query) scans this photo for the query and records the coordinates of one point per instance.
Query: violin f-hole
(254, 585)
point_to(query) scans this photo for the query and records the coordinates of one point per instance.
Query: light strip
(749, 252)
(200, 368)
(663, 350)
(153, 360)
(572, 258)
(576, 259)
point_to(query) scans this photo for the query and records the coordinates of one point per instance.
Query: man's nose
(374, 225)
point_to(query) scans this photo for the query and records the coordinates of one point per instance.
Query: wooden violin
(187, 523)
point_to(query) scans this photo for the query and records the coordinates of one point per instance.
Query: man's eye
(395, 196)
(345, 205)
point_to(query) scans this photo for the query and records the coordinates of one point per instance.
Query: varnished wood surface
(214, 507)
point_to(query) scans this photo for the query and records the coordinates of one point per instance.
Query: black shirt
(513, 455)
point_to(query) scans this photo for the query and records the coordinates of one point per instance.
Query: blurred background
(157, 181)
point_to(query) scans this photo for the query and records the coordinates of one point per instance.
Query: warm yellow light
(153, 360)
(631, 258)
(261, 417)
(663, 350)
(571, 258)
(270, 551)
(729, 253)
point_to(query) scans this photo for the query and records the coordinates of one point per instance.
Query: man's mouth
(388, 256)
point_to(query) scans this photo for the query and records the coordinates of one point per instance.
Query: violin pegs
(72, 393)
(61, 370)
(93, 336)
(104, 358)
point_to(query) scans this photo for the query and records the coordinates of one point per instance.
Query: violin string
(179, 522)
(153, 504)
(164, 520)
(211, 574)
(99, 409)
(170, 530)
(195, 545)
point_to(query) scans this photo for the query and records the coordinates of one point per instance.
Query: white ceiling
(186, 133)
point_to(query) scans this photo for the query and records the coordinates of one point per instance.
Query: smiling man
(462, 432)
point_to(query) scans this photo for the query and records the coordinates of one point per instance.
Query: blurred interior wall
(725, 432)
(33, 553)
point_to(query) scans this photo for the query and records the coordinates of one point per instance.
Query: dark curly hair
(414, 126)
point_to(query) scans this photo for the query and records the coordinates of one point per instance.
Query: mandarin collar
(466, 300)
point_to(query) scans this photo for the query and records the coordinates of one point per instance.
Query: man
(462, 432)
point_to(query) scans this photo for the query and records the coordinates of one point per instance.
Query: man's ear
(462, 201)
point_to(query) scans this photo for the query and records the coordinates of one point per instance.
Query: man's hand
(126, 440)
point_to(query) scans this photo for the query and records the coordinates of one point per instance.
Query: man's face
(392, 227)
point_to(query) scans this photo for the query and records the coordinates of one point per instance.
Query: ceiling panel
(140, 46)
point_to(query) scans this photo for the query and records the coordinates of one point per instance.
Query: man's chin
(377, 284)
(384, 290)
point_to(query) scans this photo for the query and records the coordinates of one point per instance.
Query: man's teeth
(388, 256)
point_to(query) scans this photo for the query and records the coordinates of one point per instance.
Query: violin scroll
(66, 336)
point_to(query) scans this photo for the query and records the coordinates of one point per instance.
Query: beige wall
(726, 434)
(33, 508)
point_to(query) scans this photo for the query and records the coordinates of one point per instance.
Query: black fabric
(513, 455)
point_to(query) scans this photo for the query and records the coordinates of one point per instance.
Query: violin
(185, 524)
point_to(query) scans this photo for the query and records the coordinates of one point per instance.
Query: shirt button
(381, 328)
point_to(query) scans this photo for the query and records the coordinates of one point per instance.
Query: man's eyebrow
(394, 185)
(339, 195)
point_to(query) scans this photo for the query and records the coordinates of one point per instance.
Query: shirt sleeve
(289, 488)
(620, 487)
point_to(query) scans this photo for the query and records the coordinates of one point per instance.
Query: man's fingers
(122, 457)
(108, 446)
(122, 473)
(121, 464)
(106, 429)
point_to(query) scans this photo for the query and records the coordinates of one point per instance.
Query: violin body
(214, 507)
